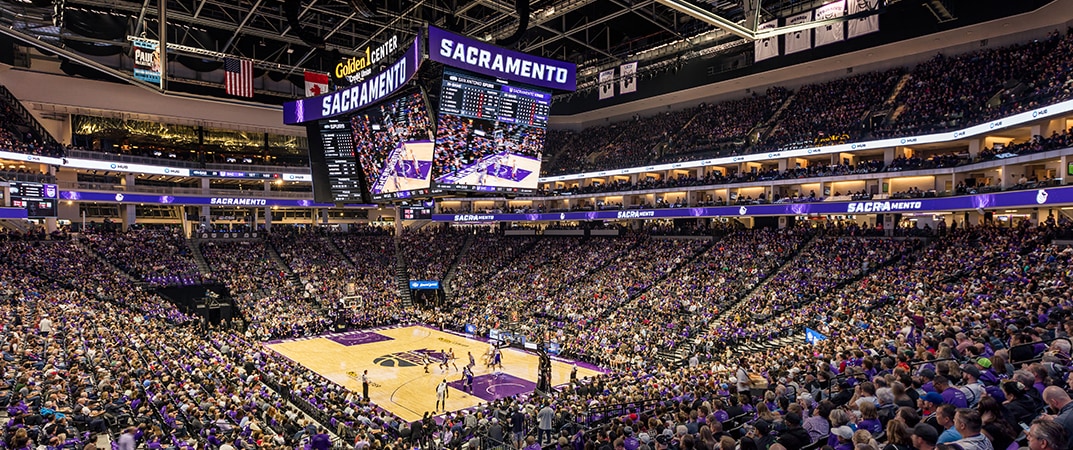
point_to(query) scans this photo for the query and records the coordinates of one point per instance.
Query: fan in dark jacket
(794, 437)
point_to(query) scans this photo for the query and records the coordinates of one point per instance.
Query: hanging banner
(486, 59)
(627, 81)
(863, 25)
(766, 48)
(147, 61)
(607, 84)
(832, 32)
(799, 41)
(371, 90)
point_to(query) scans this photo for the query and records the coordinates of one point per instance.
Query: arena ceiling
(591, 33)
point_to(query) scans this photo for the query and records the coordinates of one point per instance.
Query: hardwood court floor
(394, 358)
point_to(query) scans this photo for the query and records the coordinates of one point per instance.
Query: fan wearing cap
(793, 437)
(973, 390)
(845, 437)
(924, 437)
(987, 374)
(629, 440)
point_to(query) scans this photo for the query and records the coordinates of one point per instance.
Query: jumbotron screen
(489, 135)
(393, 145)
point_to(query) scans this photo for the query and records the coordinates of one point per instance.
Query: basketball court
(395, 359)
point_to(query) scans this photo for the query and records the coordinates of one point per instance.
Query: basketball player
(467, 379)
(441, 395)
(451, 357)
(472, 362)
(443, 361)
(497, 359)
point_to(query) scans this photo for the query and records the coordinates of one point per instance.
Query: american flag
(238, 77)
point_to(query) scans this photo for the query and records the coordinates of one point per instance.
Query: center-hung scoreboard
(380, 139)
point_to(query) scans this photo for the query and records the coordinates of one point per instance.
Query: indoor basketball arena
(536, 224)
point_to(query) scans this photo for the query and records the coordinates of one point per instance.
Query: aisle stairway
(195, 250)
(402, 276)
(684, 351)
(78, 243)
(448, 277)
(273, 254)
(332, 247)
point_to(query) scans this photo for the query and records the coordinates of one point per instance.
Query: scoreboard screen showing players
(38, 199)
(417, 210)
(489, 135)
(393, 145)
(336, 175)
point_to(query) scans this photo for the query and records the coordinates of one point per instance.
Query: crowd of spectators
(833, 108)
(17, 136)
(348, 291)
(943, 93)
(157, 255)
(271, 303)
(902, 319)
(430, 251)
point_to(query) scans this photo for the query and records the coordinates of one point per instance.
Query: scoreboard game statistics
(331, 156)
(490, 135)
(38, 199)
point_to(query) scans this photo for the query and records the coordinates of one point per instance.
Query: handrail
(26, 116)
(1017, 363)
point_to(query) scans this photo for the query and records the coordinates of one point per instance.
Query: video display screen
(331, 158)
(489, 135)
(393, 145)
(38, 199)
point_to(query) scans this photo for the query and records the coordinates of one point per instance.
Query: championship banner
(607, 84)
(373, 89)
(832, 32)
(627, 81)
(863, 25)
(768, 47)
(799, 41)
(475, 56)
(147, 61)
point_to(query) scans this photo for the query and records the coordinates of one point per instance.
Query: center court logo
(410, 358)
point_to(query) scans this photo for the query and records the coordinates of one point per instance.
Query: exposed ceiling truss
(587, 32)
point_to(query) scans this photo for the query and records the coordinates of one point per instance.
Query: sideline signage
(251, 202)
(111, 166)
(1014, 199)
(475, 56)
(372, 89)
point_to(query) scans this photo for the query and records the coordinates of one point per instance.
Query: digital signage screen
(336, 174)
(38, 199)
(393, 145)
(489, 135)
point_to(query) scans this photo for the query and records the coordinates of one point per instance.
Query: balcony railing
(102, 156)
(108, 187)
